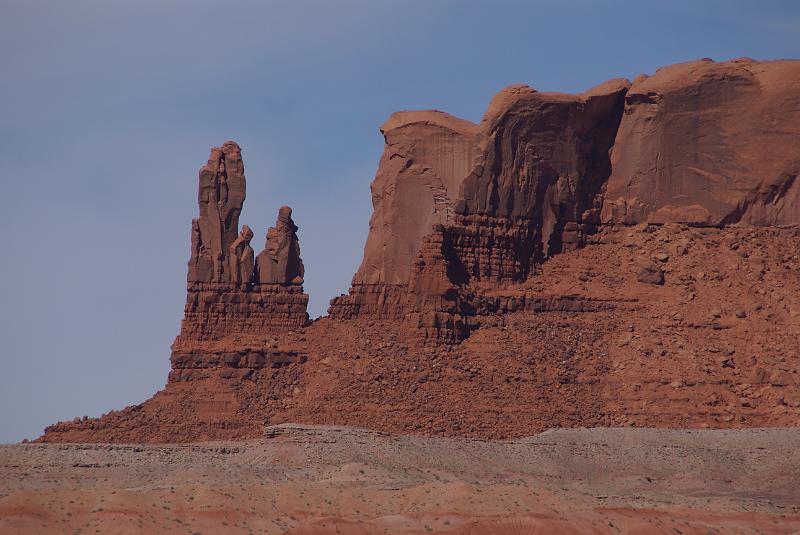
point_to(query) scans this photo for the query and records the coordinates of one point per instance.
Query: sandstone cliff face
(426, 156)
(709, 143)
(544, 157)
(519, 187)
(702, 143)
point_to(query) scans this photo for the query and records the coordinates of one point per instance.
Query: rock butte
(626, 256)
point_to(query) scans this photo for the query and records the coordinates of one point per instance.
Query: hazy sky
(109, 109)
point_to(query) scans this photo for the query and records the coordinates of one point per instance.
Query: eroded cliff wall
(709, 143)
(700, 143)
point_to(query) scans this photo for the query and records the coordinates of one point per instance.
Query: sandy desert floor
(319, 480)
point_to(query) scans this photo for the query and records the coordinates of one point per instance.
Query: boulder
(649, 273)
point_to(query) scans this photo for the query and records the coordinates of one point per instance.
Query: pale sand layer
(307, 479)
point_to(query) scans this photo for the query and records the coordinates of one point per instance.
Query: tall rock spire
(280, 262)
(240, 257)
(220, 198)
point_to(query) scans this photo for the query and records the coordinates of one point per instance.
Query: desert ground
(324, 479)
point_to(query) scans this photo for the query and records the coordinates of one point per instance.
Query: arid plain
(325, 480)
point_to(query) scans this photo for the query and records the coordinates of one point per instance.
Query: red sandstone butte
(626, 256)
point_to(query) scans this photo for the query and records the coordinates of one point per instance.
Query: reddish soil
(302, 480)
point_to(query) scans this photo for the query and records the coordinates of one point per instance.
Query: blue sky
(110, 107)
